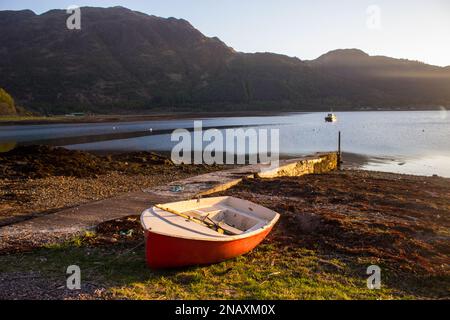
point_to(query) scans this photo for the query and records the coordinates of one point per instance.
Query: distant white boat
(331, 117)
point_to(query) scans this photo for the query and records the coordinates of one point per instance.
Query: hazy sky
(412, 29)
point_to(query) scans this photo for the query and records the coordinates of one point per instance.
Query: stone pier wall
(319, 163)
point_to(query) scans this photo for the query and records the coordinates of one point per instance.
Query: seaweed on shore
(39, 161)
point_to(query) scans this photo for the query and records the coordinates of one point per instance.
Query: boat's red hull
(171, 252)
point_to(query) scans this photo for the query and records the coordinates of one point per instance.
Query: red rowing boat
(204, 231)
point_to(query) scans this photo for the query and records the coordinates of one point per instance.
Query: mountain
(399, 81)
(119, 56)
(126, 61)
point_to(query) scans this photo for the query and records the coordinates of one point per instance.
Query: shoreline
(138, 117)
(351, 160)
(37, 180)
(62, 119)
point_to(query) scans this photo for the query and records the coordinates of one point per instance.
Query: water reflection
(428, 166)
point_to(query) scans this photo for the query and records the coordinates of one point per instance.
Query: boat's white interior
(238, 217)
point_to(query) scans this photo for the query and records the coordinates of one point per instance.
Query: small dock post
(339, 151)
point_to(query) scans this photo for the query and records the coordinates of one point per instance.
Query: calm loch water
(414, 142)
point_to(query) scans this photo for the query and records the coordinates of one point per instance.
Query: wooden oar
(210, 225)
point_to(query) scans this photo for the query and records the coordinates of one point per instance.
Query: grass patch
(268, 272)
(29, 118)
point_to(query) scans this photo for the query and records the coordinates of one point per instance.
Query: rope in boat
(211, 225)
